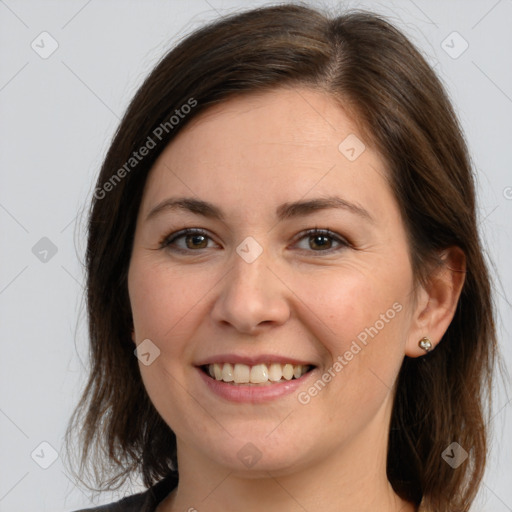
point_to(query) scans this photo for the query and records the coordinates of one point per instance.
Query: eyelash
(170, 239)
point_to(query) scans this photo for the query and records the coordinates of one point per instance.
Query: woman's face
(253, 288)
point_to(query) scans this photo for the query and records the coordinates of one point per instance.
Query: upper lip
(252, 360)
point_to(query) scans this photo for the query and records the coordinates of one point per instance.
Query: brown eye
(196, 241)
(322, 240)
(186, 240)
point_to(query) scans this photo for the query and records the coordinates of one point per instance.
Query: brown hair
(375, 72)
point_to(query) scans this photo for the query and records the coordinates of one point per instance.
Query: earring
(425, 344)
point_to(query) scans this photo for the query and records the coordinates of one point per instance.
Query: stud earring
(425, 344)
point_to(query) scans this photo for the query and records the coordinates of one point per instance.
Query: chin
(254, 455)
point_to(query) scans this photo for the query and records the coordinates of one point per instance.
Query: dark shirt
(146, 501)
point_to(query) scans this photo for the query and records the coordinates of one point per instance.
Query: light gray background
(57, 116)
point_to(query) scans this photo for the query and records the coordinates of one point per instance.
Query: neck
(275, 494)
(350, 478)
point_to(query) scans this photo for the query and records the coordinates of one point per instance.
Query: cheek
(363, 318)
(162, 299)
(350, 302)
(164, 303)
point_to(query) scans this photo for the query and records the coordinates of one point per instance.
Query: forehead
(275, 146)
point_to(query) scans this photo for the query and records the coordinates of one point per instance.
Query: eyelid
(168, 239)
(344, 243)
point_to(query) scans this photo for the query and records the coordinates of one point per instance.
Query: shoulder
(130, 504)
(146, 501)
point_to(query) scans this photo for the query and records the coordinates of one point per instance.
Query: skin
(247, 156)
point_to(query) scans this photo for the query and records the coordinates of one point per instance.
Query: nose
(251, 296)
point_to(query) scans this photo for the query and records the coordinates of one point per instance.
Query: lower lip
(252, 393)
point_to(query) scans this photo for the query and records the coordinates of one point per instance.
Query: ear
(437, 301)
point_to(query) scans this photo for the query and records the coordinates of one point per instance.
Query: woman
(288, 304)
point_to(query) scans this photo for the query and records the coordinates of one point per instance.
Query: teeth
(275, 372)
(257, 374)
(288, 371)
(241, 373)
(227, 373)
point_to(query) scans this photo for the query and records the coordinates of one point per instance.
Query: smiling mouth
(271, 373)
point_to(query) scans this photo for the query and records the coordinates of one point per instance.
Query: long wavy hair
(374, 72)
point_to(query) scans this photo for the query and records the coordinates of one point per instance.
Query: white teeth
(275, 372)
(257, 374)
(241, 373)
(227, 373)
(288, 371)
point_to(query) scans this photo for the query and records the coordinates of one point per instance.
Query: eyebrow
(283, 212)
